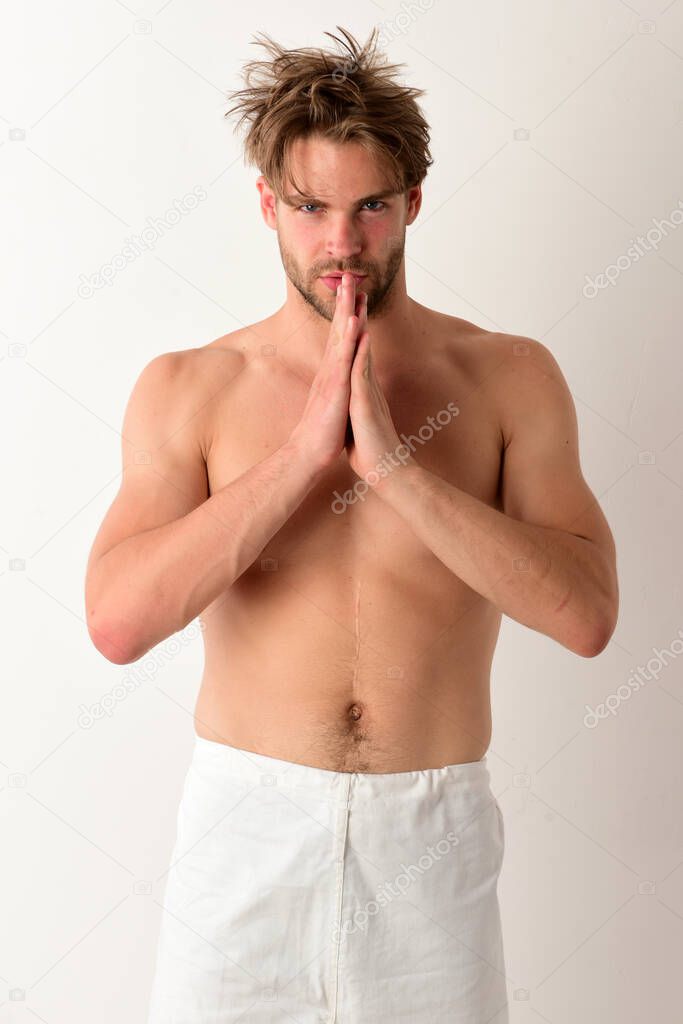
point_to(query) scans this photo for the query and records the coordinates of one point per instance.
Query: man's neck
(392, 332)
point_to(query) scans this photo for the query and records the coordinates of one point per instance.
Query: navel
(355, 711)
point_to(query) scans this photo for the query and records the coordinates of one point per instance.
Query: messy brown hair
(348, 96)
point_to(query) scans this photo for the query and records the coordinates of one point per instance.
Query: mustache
(343, 270)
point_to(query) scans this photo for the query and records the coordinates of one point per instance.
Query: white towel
(299, 894)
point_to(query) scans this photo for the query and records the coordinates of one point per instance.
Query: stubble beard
(379, 296)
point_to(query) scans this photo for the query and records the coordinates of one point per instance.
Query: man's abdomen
(378, 669)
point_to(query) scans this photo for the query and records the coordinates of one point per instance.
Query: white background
(557, 132)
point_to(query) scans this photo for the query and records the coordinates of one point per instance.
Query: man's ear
(268, 202)
(414, 197)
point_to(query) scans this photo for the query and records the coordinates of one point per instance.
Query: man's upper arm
(542, 481)
(164, 469)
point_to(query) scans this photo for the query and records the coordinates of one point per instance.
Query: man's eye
(377, 203)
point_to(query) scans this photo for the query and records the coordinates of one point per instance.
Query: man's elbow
(596, 640)
(595, 645)
(601, 616)
(109, 642)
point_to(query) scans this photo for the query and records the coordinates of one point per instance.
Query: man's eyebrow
(297, 198)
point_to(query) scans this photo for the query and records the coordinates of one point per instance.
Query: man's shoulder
(472, 349)
(186, 387)
(525, 359)
(229, 351)
(202, 367)
(509, 370)
(485, 351)
(518, 373)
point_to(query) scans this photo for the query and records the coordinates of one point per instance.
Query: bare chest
(445, 418)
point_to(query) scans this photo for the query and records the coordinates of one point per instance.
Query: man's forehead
(347, 197)
(337, 172)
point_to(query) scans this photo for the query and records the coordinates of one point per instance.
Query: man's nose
(343, 238)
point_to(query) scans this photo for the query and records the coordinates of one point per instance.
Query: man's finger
(345, 301)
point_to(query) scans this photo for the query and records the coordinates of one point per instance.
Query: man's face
(345, 221)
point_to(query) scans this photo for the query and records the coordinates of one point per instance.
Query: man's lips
(334, 280)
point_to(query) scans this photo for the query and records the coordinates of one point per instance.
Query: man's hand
(320, 432)
(360, 303)
(377, 449)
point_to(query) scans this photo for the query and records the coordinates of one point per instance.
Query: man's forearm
(152, 584)
(547, 579)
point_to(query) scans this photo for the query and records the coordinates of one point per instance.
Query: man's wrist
(397, 478)
(303, 458)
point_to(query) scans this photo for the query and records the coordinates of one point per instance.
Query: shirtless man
(350, 583)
